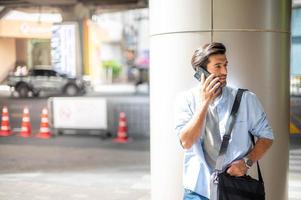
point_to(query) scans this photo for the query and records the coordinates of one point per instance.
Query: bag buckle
(215, 177)
(226, 137)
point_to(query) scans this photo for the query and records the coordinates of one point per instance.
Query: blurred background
(75, 100)
(86, 62)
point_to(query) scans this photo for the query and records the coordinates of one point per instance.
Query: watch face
(249, 162)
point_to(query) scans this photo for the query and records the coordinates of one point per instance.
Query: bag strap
(227, 136)
(229, 127)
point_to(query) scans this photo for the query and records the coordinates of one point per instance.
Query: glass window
(295, 59)
(296, 42)
(296, 22)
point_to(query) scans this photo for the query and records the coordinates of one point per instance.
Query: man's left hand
(238, 168)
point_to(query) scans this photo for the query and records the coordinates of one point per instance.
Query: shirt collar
(220, 99)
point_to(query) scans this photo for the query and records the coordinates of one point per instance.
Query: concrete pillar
(256, 34)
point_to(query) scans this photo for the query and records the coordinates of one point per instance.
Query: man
(201, 117)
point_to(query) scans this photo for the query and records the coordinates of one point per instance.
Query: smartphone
(199, 72)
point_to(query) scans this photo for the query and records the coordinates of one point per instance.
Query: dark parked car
(46, 80)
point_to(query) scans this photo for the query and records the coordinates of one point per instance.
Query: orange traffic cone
(44, 127)
(122, 129)
(5, 127)
(25, 126)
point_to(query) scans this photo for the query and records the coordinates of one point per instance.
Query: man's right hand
(209, 88)
(191, 131)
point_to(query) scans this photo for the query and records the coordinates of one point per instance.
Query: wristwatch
(248, 162)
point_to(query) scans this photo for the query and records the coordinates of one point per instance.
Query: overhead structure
(56, 6)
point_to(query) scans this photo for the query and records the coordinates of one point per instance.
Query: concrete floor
(74, 167)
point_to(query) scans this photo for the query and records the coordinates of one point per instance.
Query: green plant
(113, 65)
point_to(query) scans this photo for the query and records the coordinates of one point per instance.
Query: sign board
(78, 112)
(64, 47)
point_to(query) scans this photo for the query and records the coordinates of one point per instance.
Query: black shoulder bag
(226, 187)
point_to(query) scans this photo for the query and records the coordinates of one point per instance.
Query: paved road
(74, 167)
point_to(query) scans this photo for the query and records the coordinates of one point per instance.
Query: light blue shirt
(251, 118)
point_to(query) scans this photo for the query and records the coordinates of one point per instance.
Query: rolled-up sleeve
(183, 112)
(257, 118)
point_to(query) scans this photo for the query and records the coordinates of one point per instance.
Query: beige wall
(12, 48)
(7, 56)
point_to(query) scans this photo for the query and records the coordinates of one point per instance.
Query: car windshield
(40, 72)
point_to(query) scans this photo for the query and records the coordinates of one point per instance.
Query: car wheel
(71, 90)
(23, 90)
(36, 93)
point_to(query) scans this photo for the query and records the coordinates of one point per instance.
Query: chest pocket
(240, 133)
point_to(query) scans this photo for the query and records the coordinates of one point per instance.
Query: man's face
(218, 66)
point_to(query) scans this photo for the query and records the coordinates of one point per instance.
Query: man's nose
(224, 70)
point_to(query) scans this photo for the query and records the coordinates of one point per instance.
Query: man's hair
(201, 55)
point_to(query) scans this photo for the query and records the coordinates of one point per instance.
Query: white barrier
(78, 113)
